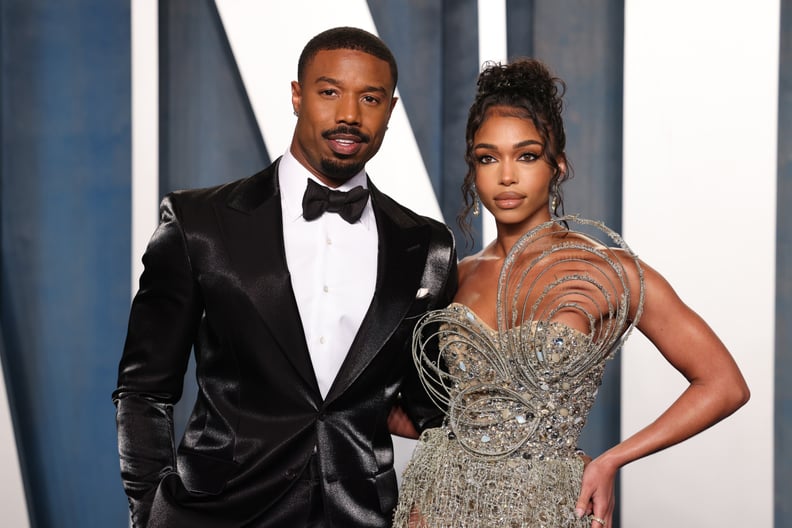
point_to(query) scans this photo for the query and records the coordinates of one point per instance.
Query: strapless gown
(517, 396)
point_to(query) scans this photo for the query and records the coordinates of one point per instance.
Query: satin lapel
(253, 233)
(402, 253)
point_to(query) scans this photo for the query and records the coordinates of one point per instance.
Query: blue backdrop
(65, 238)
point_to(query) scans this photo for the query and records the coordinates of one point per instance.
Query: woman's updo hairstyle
(523, 88)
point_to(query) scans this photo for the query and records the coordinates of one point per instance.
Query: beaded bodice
(524, 389)
(494, 410)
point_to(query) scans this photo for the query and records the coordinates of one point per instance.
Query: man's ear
(296, 96)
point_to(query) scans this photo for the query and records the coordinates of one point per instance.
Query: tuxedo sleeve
(441, 278)
(163, 321)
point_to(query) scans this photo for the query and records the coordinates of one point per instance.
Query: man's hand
(399, 423)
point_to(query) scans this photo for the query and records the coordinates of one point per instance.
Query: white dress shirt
(333, 267)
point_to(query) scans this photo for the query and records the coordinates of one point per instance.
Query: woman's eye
(486, 159)
(529, 156)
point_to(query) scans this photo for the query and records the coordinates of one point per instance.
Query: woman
(517, 358)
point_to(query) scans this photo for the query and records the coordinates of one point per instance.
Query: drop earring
(476, 206)
(554, 198)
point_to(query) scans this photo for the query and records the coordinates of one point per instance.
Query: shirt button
(329, 242)
(322, 340)
(326, 289)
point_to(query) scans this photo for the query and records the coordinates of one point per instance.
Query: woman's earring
(554, 203)
(476, 207)
(296, 114)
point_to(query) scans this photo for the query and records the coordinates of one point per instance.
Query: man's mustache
(347, 131)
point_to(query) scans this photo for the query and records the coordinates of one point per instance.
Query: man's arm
(163, 321)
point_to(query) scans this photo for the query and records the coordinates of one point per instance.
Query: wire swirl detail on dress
(564, 304)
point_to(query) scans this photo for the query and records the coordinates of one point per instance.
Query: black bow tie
(318, 199)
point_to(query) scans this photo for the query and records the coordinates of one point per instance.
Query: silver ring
(601, 521)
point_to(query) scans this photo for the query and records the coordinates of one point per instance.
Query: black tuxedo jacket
(216, 281)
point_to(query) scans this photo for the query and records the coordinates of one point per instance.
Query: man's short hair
(350, 38)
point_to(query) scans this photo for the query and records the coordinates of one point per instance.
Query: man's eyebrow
(330, 80)
(336, 82)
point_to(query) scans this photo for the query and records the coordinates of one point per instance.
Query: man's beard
(339, 170)
(342, 170)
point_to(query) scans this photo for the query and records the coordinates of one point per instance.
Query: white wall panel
(12, 493)
(492, 47)
(699, 206)
(145, 130)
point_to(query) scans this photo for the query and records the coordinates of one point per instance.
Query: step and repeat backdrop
(676, 113)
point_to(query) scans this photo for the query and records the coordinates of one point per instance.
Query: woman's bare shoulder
(465, 266)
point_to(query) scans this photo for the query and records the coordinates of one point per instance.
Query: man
(300, 322)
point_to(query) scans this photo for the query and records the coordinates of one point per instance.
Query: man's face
(343, 103)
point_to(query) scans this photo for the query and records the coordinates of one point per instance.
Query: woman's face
(512, 177)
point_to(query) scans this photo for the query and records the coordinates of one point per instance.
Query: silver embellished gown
(517, 396)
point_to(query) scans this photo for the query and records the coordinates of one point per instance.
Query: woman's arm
(716, 390)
